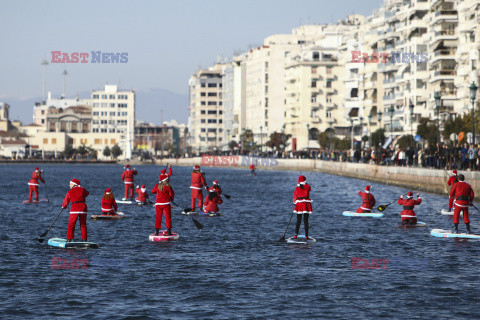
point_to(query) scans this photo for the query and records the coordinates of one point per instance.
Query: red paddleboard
(162, 237)
(33, 201)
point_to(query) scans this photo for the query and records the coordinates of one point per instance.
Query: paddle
(475, 207)
(384, 206)
(195, 222)
(43, 235)
(283, 237)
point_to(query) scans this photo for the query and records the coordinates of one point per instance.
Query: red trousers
(450, 203)
(72, 220)
(129, 187)
(361, 210)
(456, 214)
(32, 190)
(197, 194)
(167, 209)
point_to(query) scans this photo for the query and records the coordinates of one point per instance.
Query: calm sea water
(235, 267)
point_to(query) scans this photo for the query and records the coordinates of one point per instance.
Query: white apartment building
(40, 108)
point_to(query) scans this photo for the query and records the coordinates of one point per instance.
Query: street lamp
(370, 130)
(379, 115)
(438, 103)
(308, 139)
(391, 110)
(473, 94)
(261, 140)
(351, 125)
(361, 132)
(411, 106)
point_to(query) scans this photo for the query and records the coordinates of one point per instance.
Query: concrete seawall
(429, 180)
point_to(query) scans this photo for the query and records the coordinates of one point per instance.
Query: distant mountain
(149, 102)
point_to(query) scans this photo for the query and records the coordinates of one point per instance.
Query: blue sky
(166, 40)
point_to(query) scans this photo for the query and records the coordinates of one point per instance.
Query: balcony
(442, 75)
(450, 15)
(443, 55)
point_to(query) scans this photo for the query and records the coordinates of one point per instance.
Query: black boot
(69, 240)
(468, 228)
(169, 231)
(456, 227)
(157, 231)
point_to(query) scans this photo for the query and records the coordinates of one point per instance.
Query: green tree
(92, 153)
(342, 144)
(232, 145)
(107, 152)
(457, 125)
(247, 141)
(69, 151)
(378, 137)
(405, 141)
(427, 129)
(278, 139)
(82, 150)
(116, 151)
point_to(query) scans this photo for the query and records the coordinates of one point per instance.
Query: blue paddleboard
(300, 240)
(440, 233)
(365, 215)
(62, 243)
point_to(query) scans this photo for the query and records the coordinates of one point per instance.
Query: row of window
(111, 105)
(210, 94)
(111, 96)
(210, 85)
(210, 130)
(211, 121)
(211, 112)
(111, 113)
(110, 130)
(211, 103)
(210, 139)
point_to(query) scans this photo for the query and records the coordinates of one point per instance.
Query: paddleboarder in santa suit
(451, 181)
(109, 205)
(78, 210)
(169, 174)
(212, 200)
(463, 194)
(252, 169)
(303, 204)
(33, 184)
(127, 177)
(408, 215)
(368, 200)
(165, 194)
(216, 188)
(142, 194)
(197, 185)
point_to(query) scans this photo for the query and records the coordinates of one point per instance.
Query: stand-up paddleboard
(62, 243)
(419, 224)
(440, 233)
(445, 212)
(365, 215)
(126, 201)
(119, 215)
(143, 203)
(210, 214)
(300, 240)
(162, 237)
(33, 201)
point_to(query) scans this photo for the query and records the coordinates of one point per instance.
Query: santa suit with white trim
(162, 203)
(368, 200)
(78, 210)
(142, 194)
(216, 187)
(197, 185)
(303, 203)
(463, 194)
(127, 177)
(33, 183)
(164, 172)
(212, 200)
(407, 214)
(451, 181)
(109, 205)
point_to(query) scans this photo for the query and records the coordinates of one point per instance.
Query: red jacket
(163, 171)
(252, 167)
(36, 175)
(216, 188)
(408, 205)
(463, 194)
(302, 195)
(163, 197)
(142, 196)
(368, 200)
(211, 205)
(109, 205)
(77, 196)
(452, 180)
(198, 181)
(127, 176)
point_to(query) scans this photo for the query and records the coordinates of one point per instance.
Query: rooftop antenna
(65, 74)
(44, 64)
(161, 116)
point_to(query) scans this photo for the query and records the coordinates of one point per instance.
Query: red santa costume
(164, 194)
(127, 177)
(142, 194)
(198, 183)
(164, 172)
(463, 194)
(252, 169)
(33, 183)
(78, 210)
(368, 200)
(451, 181)
(216, 188)
(212, 200)
(303, 204)
(109, 205)
(407, 214)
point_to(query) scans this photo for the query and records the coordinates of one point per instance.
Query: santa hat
(36, 169)
(108, 190)
(75, 182)
(367, 189)
(302, 180)
(410, 194)
(197, 167)
(215, 181)
(163, 171)
(163, 177)
(127, 166)
(455, 172)
(143, 186)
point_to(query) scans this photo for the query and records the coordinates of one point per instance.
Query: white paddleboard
(126, 201)
(419, 224)
(440, 233)
(365, 215)
(300, 240)
(62, 243)
(445, 212)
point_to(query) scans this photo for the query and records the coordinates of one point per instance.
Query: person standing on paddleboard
(163, 171)
(463, 194)
(368, 200)
(198, 183)
(212, 200)
(127, 177)
(109, 205)
(303, 204)
(165, 194)
(142, 194)
(252, 169)
(451, 181)
(408, 215)
(33, 183)
(78, 210)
